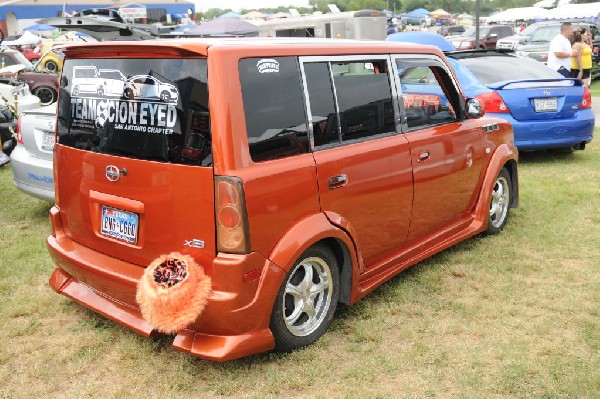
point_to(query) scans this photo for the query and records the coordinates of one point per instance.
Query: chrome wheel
(307, 296)
(500, 202)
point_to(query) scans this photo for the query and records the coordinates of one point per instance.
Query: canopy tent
(224, 27)
(440, 13)
(588, 10)
(254, 15)
(40, 28)
(230, 14)
(27, 38)
(74, 36)
(418, 12)
(280, 15)
(519, 14)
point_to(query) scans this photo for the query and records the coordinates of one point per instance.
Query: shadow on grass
(544, 157)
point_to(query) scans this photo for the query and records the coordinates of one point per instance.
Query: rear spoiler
(535, 83)
(458, 54)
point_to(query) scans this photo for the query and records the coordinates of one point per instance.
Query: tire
(75, 91)
(499, 203)
(100, 91)
(300, 293)
(51, 66)
(128, 93)
(46, 94)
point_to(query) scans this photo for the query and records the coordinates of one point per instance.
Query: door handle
(424, 156)
(338, 181)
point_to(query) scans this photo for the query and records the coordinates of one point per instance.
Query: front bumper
(234, 324)
(552, 133)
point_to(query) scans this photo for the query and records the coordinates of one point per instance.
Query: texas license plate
(48, 141)
(545, 104)
(119, 224)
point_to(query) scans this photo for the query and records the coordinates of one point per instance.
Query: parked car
(546, 110)
(452, 30)
(32, 157)
(488, 36)
(312, 186)
(41, 82)
(538, 43)
(51, 58)
(31, 55)
(511, 42)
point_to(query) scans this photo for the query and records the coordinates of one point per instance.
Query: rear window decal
(267, 65)
(141, 103)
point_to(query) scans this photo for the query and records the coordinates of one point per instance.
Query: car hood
(12, 69)
(537, 46)
(515, 38)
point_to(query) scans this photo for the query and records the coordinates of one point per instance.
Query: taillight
(586, 101)
(19, 136)
(493, 102)
(231, 217)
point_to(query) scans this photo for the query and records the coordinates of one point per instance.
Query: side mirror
(475, 108)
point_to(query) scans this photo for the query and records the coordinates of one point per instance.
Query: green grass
(511, 316)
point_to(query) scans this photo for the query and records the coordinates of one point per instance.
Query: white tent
(519, 14)
(588, 10)
(27, 38)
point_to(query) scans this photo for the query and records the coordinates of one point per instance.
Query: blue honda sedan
(546, 110)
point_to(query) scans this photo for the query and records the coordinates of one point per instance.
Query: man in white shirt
(559, 53)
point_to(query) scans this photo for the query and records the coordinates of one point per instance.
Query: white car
(103, 82)
(149, 88)
(32, 157)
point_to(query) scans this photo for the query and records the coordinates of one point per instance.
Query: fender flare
(295, 241)
(501, 156)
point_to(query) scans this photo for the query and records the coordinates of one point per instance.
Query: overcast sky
(203, 5)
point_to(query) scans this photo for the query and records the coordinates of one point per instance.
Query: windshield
(493, 69)
(471, 31)
(21, 59)
(529, 30)
(545, 34)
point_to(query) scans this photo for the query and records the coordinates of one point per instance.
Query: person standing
(581, 60)
(559, 53)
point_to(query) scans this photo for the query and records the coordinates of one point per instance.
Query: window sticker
(268, 65)
(140, 103)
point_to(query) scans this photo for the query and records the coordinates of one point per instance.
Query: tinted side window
(364, 98)
(322, 103)
(426, 103)
(274, 107)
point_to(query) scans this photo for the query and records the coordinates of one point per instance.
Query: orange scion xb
(232, 192)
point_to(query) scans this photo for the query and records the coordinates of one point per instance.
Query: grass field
(511, 316)
(595, 88)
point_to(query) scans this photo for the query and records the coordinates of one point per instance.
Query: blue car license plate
(119, 224)
(545, 104)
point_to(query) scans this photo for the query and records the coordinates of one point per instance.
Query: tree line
(488, 7)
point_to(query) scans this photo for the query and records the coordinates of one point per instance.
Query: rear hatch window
(140, 108)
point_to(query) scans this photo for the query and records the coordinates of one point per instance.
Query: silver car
(32, 157)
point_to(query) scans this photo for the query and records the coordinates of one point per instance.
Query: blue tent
(230, 14)
(418, 12)
(40, 27)
(430, 38)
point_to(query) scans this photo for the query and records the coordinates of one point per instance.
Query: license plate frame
(120, 227)
(48, 141)
(549, 104)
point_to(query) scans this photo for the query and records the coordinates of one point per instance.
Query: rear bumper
(32, 175)
(234, 324)
(554, 133)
